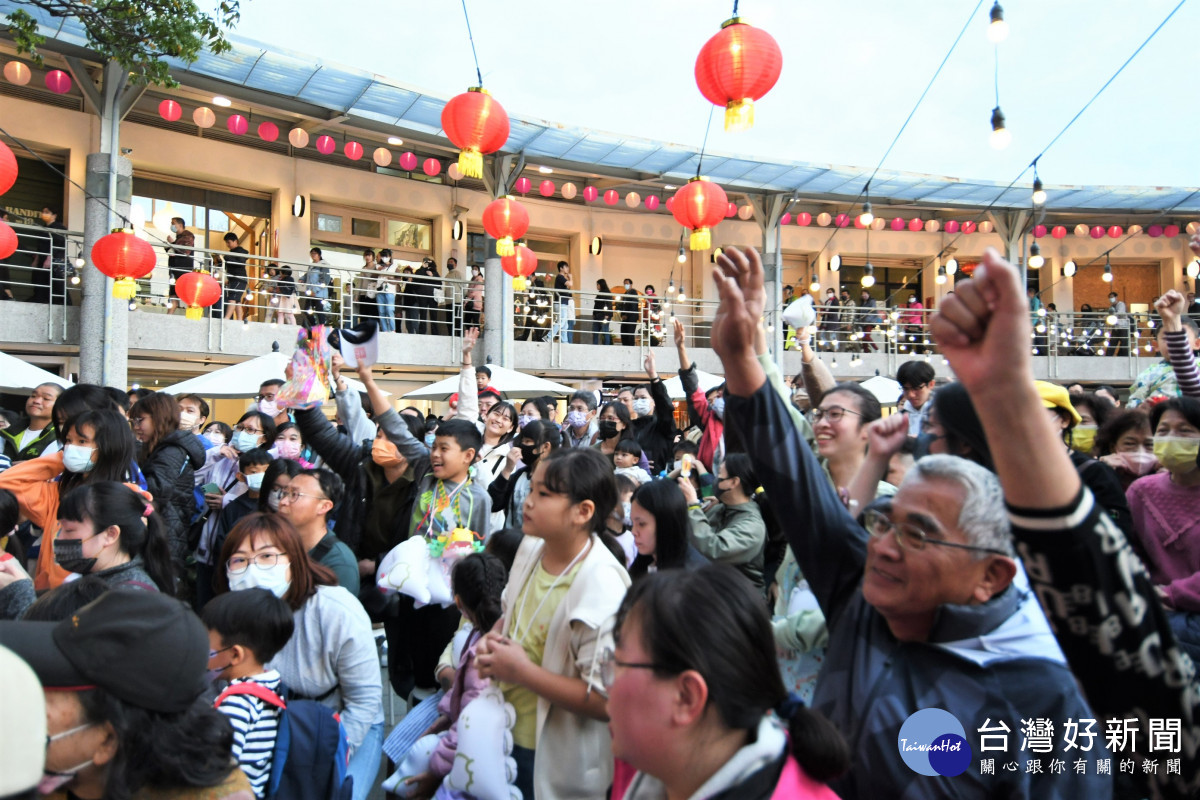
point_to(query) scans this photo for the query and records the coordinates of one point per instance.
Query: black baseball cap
(142, 647)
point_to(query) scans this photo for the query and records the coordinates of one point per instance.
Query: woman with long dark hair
(97, 446)
(169, 459)
(661, 530)
(602, 313)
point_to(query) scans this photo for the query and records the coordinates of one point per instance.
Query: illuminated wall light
(546, 170)
(223, 102)
(952, 266)
(596, 246)
(1193, 269)
(395, 140)
(835, 262)
(298, 205)
(456, 231)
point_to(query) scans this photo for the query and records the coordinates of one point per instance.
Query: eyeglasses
(238, 564)
(834, 413)
(291, 495)
(267, 397)
(910, 537)
(136, 420)
(244, 429)
(609, 664)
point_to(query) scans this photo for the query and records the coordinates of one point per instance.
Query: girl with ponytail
(478, 581)
(107, 530)
(699, 708)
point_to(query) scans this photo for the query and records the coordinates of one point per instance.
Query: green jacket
(33, 448)
(734, 535)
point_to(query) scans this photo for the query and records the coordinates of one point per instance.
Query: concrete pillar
(103, 321)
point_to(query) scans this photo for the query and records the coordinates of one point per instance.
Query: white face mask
(254, 481)
(215, 437)
(77, 458)
(273, 579)
(53, 781)
(273, 499)
(188, 420)
(268, 407)
(643, 406)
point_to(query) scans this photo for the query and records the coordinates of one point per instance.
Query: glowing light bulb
(1000, 138)
(941, 276)
(815, 286)
(1039, 194)
(1036, 260)
(866, 217)
(997, 30)
(682, 257)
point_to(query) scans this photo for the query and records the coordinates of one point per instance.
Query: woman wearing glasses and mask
(733, 531)
(331, 656)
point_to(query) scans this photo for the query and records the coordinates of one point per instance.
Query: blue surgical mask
(429, 439)
(244, 442)
(718, 407)
(77, 458)
(254, 481)
(644, 406)
(924, 441)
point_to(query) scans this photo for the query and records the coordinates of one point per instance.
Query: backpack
(311, 750)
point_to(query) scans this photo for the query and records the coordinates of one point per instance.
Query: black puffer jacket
(170, 472)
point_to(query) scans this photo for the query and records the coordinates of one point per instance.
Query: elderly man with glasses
(926, 609)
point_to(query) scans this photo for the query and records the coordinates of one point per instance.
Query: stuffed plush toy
(483, 765)
(416, 762)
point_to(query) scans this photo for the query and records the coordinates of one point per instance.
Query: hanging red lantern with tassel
(197, 291)
(505, 220)
(123, 257)
(700, 205)
(477, 125)
(520, 265)
(737, 66)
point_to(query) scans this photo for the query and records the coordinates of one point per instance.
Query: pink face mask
(288, 449)
(1140, 462)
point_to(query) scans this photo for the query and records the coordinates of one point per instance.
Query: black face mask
(608, 429)
(529, 454)
(924, 442)
(68, 554)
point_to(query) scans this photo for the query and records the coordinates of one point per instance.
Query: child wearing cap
(245, 630)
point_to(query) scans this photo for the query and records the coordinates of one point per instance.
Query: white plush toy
(410, 568)
(800, 314)
(483, 764)
(416, 762)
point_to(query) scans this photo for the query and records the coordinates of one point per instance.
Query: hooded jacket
(170, 471)
(985, 664)
(33, 448)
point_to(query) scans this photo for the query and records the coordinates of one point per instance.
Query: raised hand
(1171, 307)
(650, 365)
(739, 279)
(677, 326)
(983, 329)
(886, 436)
(470, 337)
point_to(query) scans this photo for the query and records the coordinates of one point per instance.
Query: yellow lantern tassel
(519, 283)
(194, 312)
(125, 289)
(739, 115)
(701, 239)
(504, 247)
(470, 163)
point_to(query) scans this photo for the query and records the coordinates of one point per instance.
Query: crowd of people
(751, 604)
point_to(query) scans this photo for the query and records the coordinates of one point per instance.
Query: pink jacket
(714, 429)
(912, 314)
(467, 686)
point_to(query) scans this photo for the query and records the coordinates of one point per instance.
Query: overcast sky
(851, 73)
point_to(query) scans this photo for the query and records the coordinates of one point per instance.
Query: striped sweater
(255, 725)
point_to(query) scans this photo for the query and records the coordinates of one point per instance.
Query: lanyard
(525, 593)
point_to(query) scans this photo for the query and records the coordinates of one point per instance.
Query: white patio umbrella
(243, 379)
(886, 390)
(707, 380)
(508, 381)
(17, 375)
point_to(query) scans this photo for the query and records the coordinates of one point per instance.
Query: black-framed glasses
(266, 397)
(609, 664)
(292, 495)
(910, 537)
(244, 429)
(833, 413)
(239, 564)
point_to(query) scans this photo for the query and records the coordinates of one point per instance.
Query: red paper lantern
(730, 210)
(58, 81)
(652, 202)
(611, 197)
(1058, 231)
(237, 125)
(916, 224)
(1171, 231)
(505, 220)
(1154, 231)
(671, 204)
(325, 145)
(8, 240)
(952, 226)
(546, 188)
(1039, 231)
(197, 291)
(804, 219)
(897, 224)
(859, 223)
(590, 193)
(477, 125)
(170, 110)
(842, 220)
(123, 257)
(519, 265)
(786, 218)
(408, 161)
(968, 227)
(1115, 232)
(700, 205)
(1097, 231)
(8, 168)
(523, 185)
(431, 166)
(353, 151)
(735, 67)
(268, 131)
